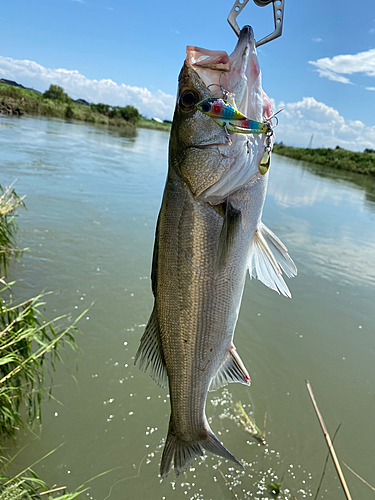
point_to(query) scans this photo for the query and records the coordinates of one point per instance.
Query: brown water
(93, 198)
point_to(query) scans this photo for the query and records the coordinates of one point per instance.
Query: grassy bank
(341, 159)
(17, 101)
(152, 124)
(23, 101)
(30, 347)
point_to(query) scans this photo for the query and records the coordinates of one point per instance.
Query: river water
(92, 200)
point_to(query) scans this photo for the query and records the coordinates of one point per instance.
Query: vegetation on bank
(56, 103)
(30, 347)
(341, 159)
(152, 124)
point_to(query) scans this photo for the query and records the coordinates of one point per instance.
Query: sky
(322, 69)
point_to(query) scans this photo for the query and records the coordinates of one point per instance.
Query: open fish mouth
(219, 71)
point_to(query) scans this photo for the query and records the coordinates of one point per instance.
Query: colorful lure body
(224, 113)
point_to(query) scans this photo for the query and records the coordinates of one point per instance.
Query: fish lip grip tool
(278, 14)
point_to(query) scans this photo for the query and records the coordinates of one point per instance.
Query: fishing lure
(224, 114)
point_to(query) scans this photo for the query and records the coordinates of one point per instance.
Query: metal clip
(278, 14)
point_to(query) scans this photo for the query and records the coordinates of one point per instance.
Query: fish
(209, 233)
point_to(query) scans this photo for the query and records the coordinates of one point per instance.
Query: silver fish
(209, 232)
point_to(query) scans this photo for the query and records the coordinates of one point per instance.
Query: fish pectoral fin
(150, 352)
(231, 370)
(265, 266)
(231, 223)
(280, 250)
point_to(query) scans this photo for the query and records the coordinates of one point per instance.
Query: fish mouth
(220, 71)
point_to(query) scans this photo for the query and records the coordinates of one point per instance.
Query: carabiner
(278, 15)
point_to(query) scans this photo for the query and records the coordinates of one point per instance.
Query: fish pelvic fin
(231, 370)
(150, 352)
(183, 453)
(268, 257)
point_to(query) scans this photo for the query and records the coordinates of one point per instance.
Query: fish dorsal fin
(265, 266)
(150, 352)
(231, 370)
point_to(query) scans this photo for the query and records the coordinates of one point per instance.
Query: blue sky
(322, 69)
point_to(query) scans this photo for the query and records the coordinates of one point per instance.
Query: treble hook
(270, 118)
(278, 14)
(225, 92)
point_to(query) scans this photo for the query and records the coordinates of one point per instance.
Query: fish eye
(188, 99)
(206, 107)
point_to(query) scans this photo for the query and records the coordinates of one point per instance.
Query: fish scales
(209, 233)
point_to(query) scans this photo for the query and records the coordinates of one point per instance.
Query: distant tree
(114, 113)
(104, 109)
(368, 150)
(56, 92)
(130, 113)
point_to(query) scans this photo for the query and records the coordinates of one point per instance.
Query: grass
(29, 345)
(31, 103)
(249, 425)
(152, 124)
(9, 202)
(340, 159)
(28, 485)
(30, 348)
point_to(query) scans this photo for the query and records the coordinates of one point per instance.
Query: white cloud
(32, 74)
(317, 39)
(346, 64)
(301, 119)
(370, 88)
(335, 77)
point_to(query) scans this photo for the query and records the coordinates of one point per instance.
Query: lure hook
(278, 15)
(273, 116)
(225, 92)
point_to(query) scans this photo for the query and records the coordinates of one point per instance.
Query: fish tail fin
(213, 445)
(268, 256)
(183, 453)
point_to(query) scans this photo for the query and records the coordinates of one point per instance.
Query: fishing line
(126, 478)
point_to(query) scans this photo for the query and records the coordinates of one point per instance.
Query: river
(92, 199)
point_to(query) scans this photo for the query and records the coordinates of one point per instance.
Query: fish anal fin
(231, 370)
(265, 266)
(150, 352)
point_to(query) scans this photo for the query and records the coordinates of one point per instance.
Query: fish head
(214, 162)
(190, 127)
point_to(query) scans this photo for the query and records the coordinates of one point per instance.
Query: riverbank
(340, 159)
(15, 101)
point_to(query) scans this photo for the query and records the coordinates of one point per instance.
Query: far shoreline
(15, 100)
